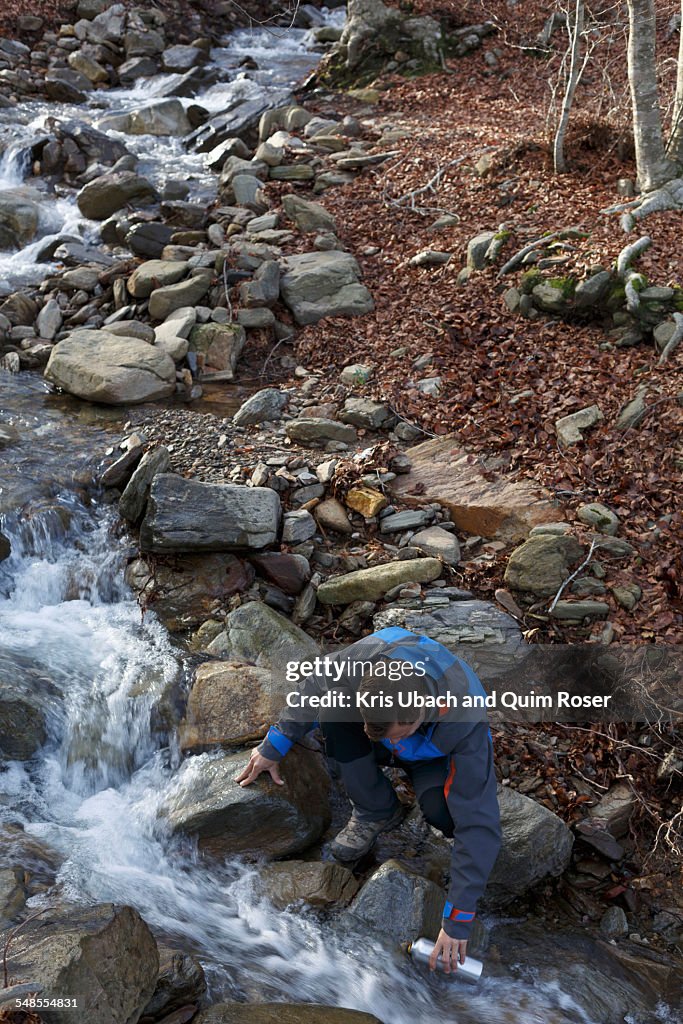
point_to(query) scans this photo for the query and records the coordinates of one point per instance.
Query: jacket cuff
(457, 929)
(275, 745)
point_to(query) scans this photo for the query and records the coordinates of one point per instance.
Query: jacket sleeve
(281, 737)
(471, 797)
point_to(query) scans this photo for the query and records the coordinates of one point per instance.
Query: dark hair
(385, 683)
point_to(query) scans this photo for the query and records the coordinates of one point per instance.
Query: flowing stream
(69, 626)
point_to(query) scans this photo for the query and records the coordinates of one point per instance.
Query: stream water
(70, 626)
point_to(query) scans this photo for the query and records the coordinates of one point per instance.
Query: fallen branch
(515, 260)
(573, 575)
(633, 281)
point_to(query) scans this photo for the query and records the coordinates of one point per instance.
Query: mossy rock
(567, 285)
(529, 280)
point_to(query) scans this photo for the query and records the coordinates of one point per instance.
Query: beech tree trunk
(654, 169)
(574, 76)
(675, 146)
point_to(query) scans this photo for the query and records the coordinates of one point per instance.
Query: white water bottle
(421, 950)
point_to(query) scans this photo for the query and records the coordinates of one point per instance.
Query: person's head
(385, 700)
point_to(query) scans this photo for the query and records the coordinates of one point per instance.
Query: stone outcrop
(102, 367)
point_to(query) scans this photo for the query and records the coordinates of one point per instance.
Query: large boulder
(396, 902)
(19, 216)
(262, 819)
(229, 705)
(266, 404)
(373, 33)
(185, 590)
(319, 284)
(186, 515)
(112, 191)
(485, 636)
(257, 634)
(165, 117)
(317, 883)
(105, 955)
(220, 346)
(479, 503)
(281, 1013)
(536, 845)
(181, 981)
(102, 367)
(373, 583)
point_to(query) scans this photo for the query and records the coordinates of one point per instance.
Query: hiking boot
(358, 837)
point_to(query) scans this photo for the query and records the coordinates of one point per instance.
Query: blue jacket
(464, 738)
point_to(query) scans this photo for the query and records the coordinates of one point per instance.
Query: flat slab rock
(186, 515)
(500, 508)
(373, 583)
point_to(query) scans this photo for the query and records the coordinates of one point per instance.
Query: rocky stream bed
(181, 501)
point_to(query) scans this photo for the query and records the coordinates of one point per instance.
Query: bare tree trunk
(653, 167)
(575, 33)
(675, 146)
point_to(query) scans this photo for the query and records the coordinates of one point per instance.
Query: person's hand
(453, 952)
(258, 764)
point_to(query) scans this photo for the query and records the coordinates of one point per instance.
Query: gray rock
(220, 346)
(182, 58)
(235, 165)
(164, 301)
(164, 117)
(373, 583)
(549, 298)
(536, 845)
(429, 258)
(265, 405)
(178, 324)
(230, 147)
(400, 904)
(319, 284)
(257, 634)
(100, 367)
(155, 274)
(104, 953)
(19, 215)
(65, 85)
(297, 527)
(579, 610)
(315, 430)
(263, 819)
(112, 191)
(308, 216)
(601, 518)
(356, 374)
(137, 67)
(259, 317)
(542, 563)
(632, 412)
(570, 428)
(148, 239)
(132, 329)
(477, 248)
(439, 543)
(134, 498)
(248, 191)
(487, 638)
(614, 923)
(593, 290)
(186, 515)
(49, 320)
(264, 289)
(80, 61)
(143, 43)
(615, 808)
(332, 515)
(410, 519)
(364, 412)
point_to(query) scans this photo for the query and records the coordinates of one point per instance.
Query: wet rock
(536, 845)
(104, 953)
(181, 981)
(120, 471)
(134, 498)
(487, 638)
(5, 547)
(489, 506)
(26, 708)
(229, 705)
(186, 515)
(181, 58)
(136, 67)
(155, 274)
(398, 903)
(100, 367)
(185, 590)
(19, 216)
(319, 284)
(308, 216)
(220, 345)
(312, 882)
(164, 301)
(542, 564)
(65, 85)
(601, 518)
(289, 572)
(166, 117)
(263, 819)
(314, 430)
(113, 191)
(373, 583)
(241, 122)
(570, 428)
(281, 1013)
(257, 634)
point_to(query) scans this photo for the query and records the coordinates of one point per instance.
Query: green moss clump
(529, 280)
(678, 299)
(567, 285)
